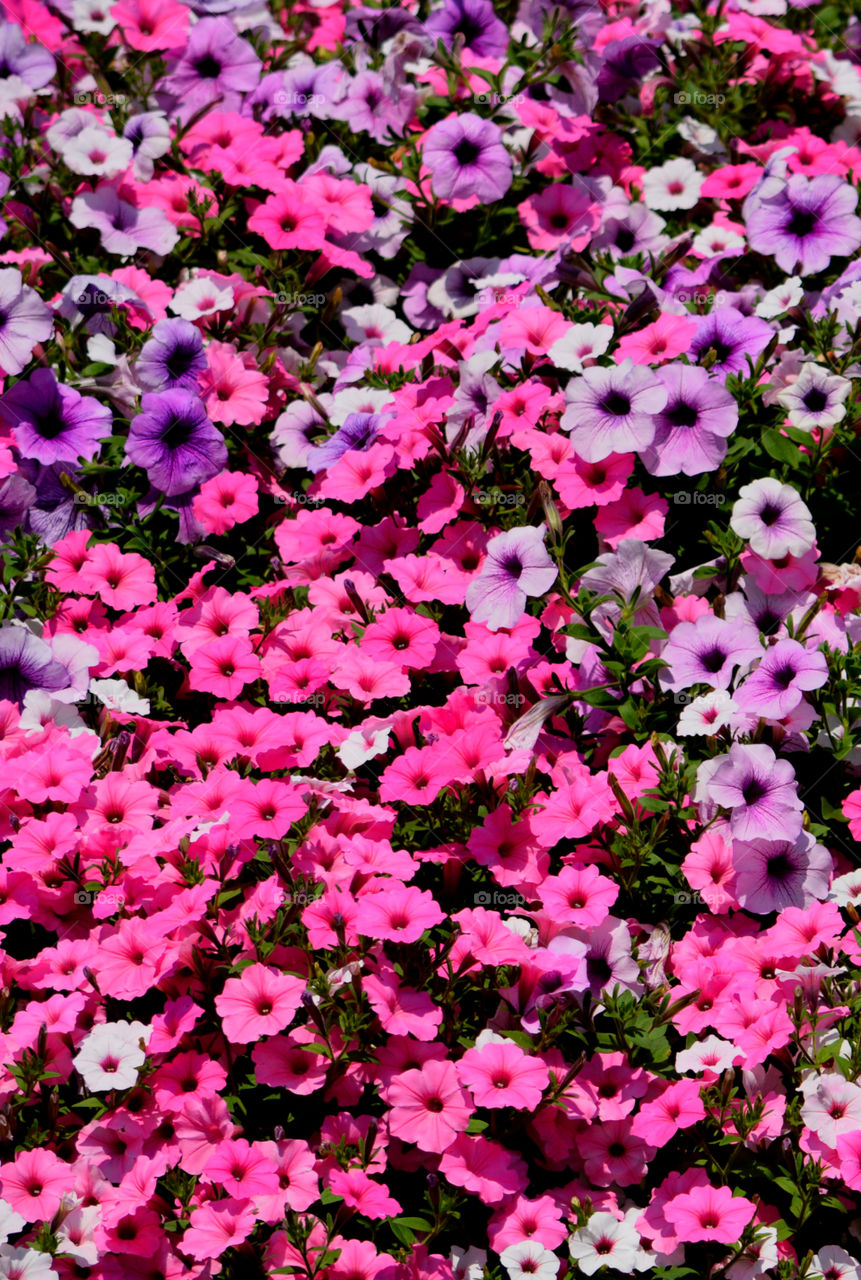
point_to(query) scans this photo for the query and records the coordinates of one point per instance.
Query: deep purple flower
(517, 566)
(29, 62)
(707, 652)
(172, 356)
(691, 429)
(54, 512)
(54, 423)
(214, 62)
(732, 337)
(636, 230)
(625, 64)
(483, 33)
(612, 409)
(758, 789)
(778, 684)
(774, 874)
(123, 228)
(174, 442)
(26, 663)
(24, 321)
(358, 433)
(806, 223)
(90, 299)
(773, 519)
(16, 498)
(466, 157)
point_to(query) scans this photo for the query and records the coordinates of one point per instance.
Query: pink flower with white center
(397, 914)
(709, 1213)
(363, 1194)
(678, 1107)
(428, 1106)
(605, 1241)
(261, 1002)
(529, 1260)
(112, 1054)
(34, 1182)
(502, 1075)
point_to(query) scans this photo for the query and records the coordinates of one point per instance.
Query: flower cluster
(430, 640)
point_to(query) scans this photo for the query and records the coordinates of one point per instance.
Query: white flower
(758, 1257)
(674, 185)
(96, 151)
(711, 1054)
(101, 349)
(714, 240)
(41, 709)
(26, 1264)
(581, 342)
(529, 1259)
(111, 1055)
(707, 714)
(201, 297)
(76, 1234)
(117, 696)
(815, 398)
(777, 301)
(835, 1264)
(375, 325)
(605, 1242)
(93, 15)
(10, 1222)
(468, 1264)
(846, 889)
(357, 400)
(356, 750)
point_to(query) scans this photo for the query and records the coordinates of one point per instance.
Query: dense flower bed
(430, 682)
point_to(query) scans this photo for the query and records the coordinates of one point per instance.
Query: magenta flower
(502, 1075)
(517, 566)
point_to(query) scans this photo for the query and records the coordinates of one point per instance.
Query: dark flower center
(779, 867)
(598, 969)
(625, 239)
(179, 362)
(783, 676)
(208, 67)
(466, 152)
(769, 514)
(815, 400)
(616, 403)
(713, 660)
(803, 223)
(513, 567)
(753, 790)
(177, 432)
(682, 415)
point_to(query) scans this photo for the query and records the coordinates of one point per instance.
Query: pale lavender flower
(773, 519)
(758, 789)
(774, 874)
(517, 566)
(24, 321)
(612, 410)
(779, 683)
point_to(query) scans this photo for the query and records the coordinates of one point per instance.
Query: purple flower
(778, 684)
(367, 108)
(774, 874)
(123, 228)
(358, 433)
(612, 410)
(483, 33)
(174, 442)
(517, 566)
(632, 570)
(625, 63)
(608, 960)
(466, 157)
(16, 498)
(691, 429)
(756, 787)
(24, 321)
(732, 337)
(636, 230)
(26, 663)
(172, 356)
(215, 62)
(90, 299)
(54, 423)
(773, 519)
(29, 62)
(806, 222)
(707, 652)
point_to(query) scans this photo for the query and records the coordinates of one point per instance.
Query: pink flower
(261, 1002)
(485, 1168)
(122, 580)
(363, 1194)
(502, 1075)
(678, 1107)
(34, 1183)
(216, 1227)
(224, 667)
(226, 500)
(397, 914)
(709, 1213)
(428, 1106)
